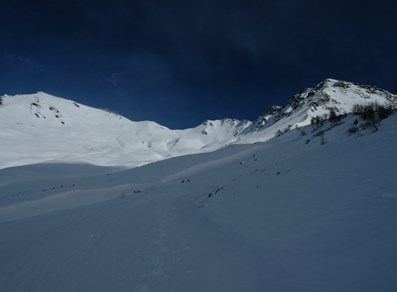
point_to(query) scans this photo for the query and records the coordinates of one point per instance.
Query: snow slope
(295, 213)
(41, 128)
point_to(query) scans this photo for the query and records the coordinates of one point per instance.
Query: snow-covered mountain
(295, 213)
(312, 209)
(338, 96)
(42, 128)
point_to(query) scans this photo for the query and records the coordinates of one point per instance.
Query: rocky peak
(330, 94)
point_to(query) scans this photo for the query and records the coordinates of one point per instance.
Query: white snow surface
(295, 213)
(39, 128)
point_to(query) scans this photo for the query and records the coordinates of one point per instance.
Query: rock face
(39, 127)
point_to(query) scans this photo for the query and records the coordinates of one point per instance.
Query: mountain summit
(40, 127)
(329, 95)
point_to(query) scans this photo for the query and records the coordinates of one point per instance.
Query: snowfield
(300, 212)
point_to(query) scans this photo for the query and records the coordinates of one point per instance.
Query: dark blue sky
(183, 61)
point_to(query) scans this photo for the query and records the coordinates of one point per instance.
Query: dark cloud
(207, 58)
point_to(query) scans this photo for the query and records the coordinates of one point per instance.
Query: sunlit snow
(314, 209)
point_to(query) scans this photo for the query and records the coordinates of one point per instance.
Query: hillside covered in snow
(314, 209)
(41, 128)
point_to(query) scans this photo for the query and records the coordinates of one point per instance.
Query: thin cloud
(111, 79)
(26, 62)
